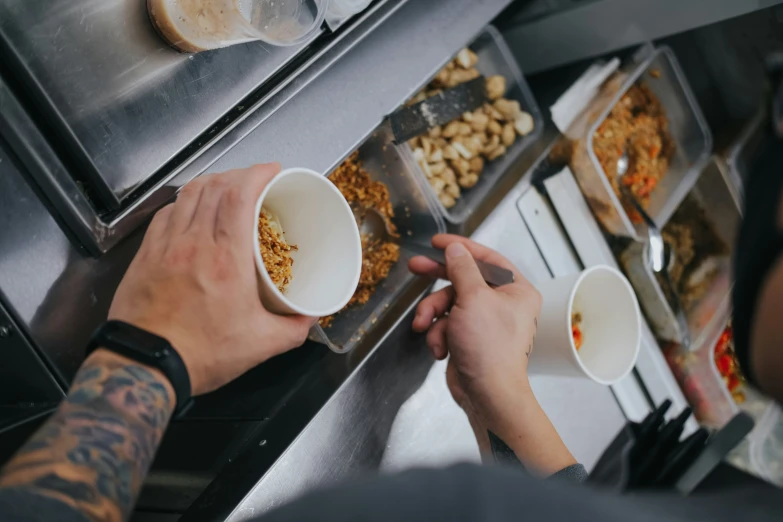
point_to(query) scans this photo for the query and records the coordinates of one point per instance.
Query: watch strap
(150, 350)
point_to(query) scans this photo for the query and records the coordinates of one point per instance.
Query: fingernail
(455, 250)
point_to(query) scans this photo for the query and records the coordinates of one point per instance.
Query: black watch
(148, 349)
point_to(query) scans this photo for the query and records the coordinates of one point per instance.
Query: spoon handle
(492, 274)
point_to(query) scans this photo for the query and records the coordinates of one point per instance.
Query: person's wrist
(105, 358)
(506, 412)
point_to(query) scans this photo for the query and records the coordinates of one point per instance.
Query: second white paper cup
(316, 218)
(611, 326)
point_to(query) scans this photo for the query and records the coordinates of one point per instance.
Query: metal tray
(719, 199)
(687, 126)
(417, 220)
(494, 58)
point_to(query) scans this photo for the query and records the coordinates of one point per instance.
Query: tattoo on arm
(530, 347)
(95, 451)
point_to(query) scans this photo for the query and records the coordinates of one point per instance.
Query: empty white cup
(611, 326)
(316, 218)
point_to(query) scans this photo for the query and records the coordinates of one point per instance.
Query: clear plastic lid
(200, 25)
(284, 22)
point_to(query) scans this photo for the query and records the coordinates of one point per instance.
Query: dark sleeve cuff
(20, 505)
(575, 473)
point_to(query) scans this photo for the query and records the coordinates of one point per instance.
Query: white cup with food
(590, 326)
(308, 249)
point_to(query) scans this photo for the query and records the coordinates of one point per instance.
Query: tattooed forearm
(95, 451)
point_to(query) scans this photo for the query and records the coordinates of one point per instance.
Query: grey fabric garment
(575, 473)
(18, 505)
(469, 493)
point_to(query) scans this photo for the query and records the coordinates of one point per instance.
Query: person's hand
(488, 332)
(193, 281)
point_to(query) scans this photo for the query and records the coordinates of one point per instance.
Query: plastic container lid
(347, 8)
(284, 22)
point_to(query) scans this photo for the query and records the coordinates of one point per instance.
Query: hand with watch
(185, 320)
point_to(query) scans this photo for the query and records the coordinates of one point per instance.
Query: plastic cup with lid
(200, 25)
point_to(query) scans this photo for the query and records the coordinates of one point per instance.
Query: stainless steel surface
(116, 88)
(602, 26)
(492, 274)
(395, 412)
(53, 172)
(60, 294)
(26, 385)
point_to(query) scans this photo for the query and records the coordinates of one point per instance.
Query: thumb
(291, 331)
(462, 270)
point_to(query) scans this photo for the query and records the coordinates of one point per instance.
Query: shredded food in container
(275, 252)
(378, 257)
(637, 125)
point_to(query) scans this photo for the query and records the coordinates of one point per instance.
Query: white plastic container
(316, 218)
(611, 326)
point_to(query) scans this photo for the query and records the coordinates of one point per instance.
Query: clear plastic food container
(743, 152)
(417, 220)
(659, 70)
(761, 453)
(200, 25)
(494, 58)
(717, 195)
(766, 445)
(698, 375)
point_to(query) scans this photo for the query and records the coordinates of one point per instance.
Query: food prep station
(101, 123)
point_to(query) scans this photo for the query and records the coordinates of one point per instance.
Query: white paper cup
(316, 218)
(611, 326)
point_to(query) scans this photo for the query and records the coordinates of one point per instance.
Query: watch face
(140, 342)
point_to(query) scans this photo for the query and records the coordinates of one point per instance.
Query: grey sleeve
(575, 473)
(20, 505)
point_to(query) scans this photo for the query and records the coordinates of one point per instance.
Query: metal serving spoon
(660, 257)
(373, 223)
